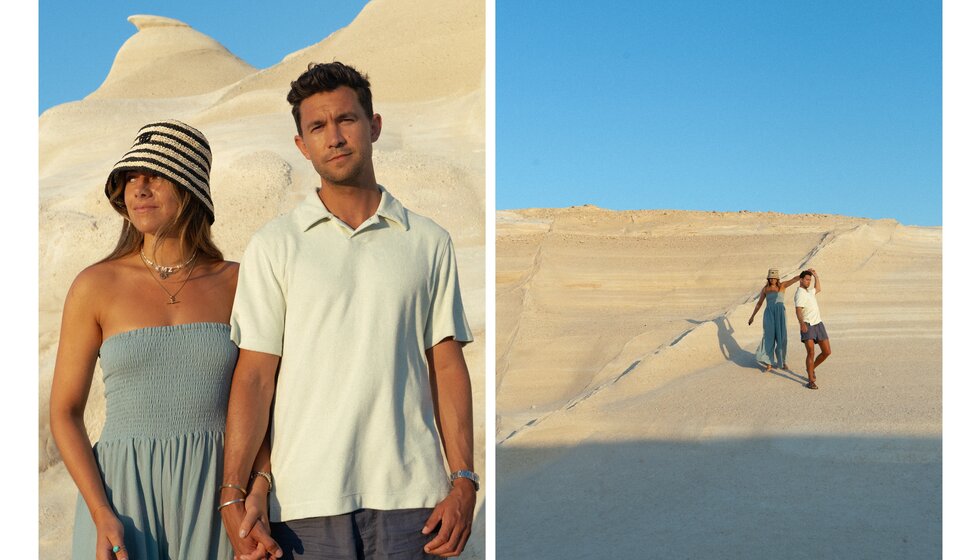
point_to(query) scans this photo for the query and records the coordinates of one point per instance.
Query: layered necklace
(165, 272)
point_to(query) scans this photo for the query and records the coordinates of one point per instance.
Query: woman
(155, 312)
(772, 350)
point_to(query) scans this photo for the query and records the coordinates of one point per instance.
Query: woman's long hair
(779, 285)
(190, 226)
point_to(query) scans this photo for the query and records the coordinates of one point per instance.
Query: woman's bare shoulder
(99, 277)
(224, 273)
(232, 273)
(227, 270)
(96, 284)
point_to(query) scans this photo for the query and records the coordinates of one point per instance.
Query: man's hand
(803, 328)
(816, 281)
(255, 524)
(454, 517)
(257, 543)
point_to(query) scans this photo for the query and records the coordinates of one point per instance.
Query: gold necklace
(173, 296)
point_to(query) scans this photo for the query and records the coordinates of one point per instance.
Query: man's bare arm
(256, 519)
(816, 281)
(799, 316)
(252, 387)
(453, 401)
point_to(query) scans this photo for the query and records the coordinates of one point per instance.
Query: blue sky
(77, 41)
(789, 106)
(707, 105)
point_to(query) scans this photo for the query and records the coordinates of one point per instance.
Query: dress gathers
(772, 349)
(160, 452)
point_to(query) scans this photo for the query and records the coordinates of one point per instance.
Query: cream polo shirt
(807, 299)
(351, 313)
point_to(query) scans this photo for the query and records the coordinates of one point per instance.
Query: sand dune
(629, 401)
(431, 156)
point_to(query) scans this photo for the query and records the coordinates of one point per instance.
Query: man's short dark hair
(328, 76)
(805, 273)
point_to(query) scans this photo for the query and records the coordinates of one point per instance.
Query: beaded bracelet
(265, 475)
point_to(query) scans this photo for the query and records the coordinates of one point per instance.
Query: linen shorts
(815, 333)
(368, 534)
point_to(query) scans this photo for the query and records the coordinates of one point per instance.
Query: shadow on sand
(777, 497)
(734, 353)
(790, 375)
(729, 348)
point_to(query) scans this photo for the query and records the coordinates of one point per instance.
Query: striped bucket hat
(175, 151)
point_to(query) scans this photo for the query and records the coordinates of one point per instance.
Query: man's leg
(319, 538)
(824, 352)
(394, 534)
(811, 375)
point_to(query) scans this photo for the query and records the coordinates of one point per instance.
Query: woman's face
(773, 281)
(151, 201)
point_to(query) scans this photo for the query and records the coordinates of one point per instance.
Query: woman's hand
(109, 531)
(255, 523)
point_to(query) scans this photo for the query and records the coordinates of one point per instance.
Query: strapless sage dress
(160, 452)
(772, 349)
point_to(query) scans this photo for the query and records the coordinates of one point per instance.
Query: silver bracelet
(233, 487)
(235, 501)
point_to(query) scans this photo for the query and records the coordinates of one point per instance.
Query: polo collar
(311, 210)
(391, 209)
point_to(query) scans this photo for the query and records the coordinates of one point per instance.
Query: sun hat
(173, 150)
(773, 273)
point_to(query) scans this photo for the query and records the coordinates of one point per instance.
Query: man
(812, 329)
(348, 311)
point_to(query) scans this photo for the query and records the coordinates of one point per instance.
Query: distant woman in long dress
(772, 350)
(155, 312)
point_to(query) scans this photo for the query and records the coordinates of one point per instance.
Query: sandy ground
(426, 65)
(633, 421)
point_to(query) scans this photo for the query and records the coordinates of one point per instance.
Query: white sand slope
(430, 155)
(633, 421)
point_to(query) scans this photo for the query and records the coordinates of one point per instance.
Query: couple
(311, 386)
(772, 350)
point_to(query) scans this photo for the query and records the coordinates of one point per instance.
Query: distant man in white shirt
(812, 329)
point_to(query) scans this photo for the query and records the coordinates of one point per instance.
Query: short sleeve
(799, 299)
(258, 315)
(446, 317)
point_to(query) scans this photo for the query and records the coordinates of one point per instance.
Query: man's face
(337, 136)
(805, 281)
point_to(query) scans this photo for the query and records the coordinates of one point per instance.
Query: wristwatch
(470, 475)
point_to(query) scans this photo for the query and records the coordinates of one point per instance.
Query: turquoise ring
(117, 548)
